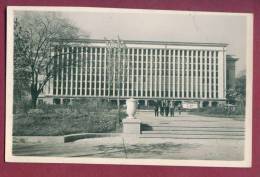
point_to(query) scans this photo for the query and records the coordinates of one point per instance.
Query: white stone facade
(143, 70)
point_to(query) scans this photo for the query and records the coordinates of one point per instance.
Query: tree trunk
(34, 95)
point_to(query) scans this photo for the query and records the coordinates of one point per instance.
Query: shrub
(51, 124)
(220, 111)
(22, 106)
(35, 111)
(63, 111)
(82, 116)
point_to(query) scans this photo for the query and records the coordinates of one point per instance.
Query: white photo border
(9, 157)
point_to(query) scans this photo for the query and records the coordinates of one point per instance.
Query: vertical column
(183, 80)
(146, 103)
(103, 71)
(187, 73)
(146, 72)
(142, 72)
(95, 74)
(137, 72)
(100, 68)
(178, 73)
(169, 72)
(128, 68)
(71, 69)
(224, 71)
(67, 71)
(91, 69)
(114, 72)
(210, 75)
(61, 70)
(160, 75)
(221, 74)
(57, 53)
(86, 70)
(205, 74)
(56, 73)
(122, 81)
(196, 75)
(214, 73)
(51, 81)
(173, 71)
(77, 67)
(133, 68)
(81, 69)
(164, 76)
(156, 85)
(192, 81)
(201, 75)
(50, 86)
(217, 73)
(150, 62)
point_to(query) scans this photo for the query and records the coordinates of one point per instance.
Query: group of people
(165, 107)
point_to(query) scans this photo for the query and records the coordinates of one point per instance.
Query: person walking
(161, 108)
(179, 109)
(156, 109)
(172, 107)
(167, 108)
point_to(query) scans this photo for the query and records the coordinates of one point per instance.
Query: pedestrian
(156, 109)
(179, 109)
(166, 108)
(172, 107)
(162, 108)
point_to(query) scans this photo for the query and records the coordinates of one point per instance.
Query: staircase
(192, 127)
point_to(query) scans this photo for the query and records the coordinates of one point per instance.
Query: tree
(34, 33)
(237, 95)
(116, 53)
(21, 75)
(241, 85)
(241, 90)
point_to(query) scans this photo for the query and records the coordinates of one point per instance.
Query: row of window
(131, 86)
(136, 51)
(73, 60)
(107, 92)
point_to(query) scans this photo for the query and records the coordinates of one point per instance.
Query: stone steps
(192, 136)
(192, 131)
(200, 132)
(190, 128)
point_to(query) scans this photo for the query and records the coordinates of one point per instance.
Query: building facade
(145, 70)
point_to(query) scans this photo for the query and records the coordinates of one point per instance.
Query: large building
(145, 70)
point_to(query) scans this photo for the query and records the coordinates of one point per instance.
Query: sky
(166, 26)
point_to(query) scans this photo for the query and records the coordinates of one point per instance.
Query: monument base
(131, 126)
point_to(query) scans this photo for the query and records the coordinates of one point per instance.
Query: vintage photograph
(128, 86)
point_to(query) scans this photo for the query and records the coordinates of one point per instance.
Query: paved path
(187, 126)
(188, 119)
(133, 147)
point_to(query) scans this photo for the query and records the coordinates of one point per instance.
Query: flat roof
(84, 40)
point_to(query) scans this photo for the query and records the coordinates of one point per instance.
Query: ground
(120, 146)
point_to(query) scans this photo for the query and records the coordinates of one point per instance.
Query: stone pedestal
(131, 126)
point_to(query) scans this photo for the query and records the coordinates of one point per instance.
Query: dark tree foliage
(237, 95)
